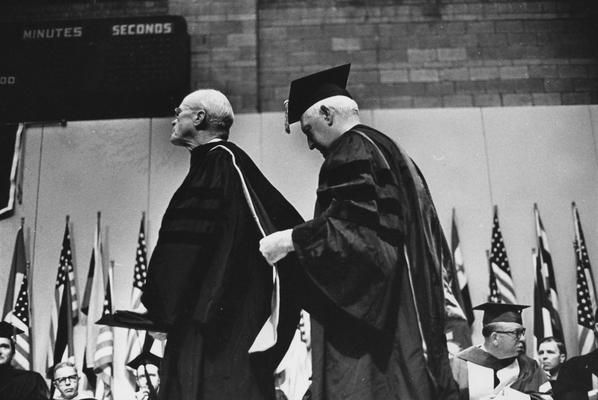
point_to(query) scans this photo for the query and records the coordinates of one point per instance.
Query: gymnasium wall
(472, 159)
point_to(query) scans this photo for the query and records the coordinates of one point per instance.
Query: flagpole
(29, 298)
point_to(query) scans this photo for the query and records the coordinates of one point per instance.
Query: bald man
(207, 280)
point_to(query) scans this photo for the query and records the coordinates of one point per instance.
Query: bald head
(219, 112)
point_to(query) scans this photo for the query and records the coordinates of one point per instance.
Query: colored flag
(16, 308)
(494, 293)
(104, 349)
(65, 313)
(135, 337)
(460, 268)
(547, 321)
(500, 264)
(10, 154)
(586, 292)
(93, 303)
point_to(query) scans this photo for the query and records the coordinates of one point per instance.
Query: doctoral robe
(479, 374)
(208, 281)
(16, 384)
(372, 261)
(577, 377)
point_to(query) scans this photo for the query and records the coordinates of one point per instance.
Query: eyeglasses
(517, 333)
(62, 381)
(179, 110)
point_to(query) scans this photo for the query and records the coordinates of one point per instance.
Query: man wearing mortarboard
(499, 366)
(371, 258)
(17, 384)
(146, 366)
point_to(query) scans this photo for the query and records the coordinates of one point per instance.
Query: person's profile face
(510, 338)
(316, 131)
(6, 351)
(67, 382)
(182, 123)
(550, 356)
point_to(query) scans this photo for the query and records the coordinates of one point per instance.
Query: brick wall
(435, 53)
(223, 47)
(409, 53)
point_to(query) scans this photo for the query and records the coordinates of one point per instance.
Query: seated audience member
(146, 367)
(66, 381)
(498, 367)
(16, 384)
(578, 378)
(552, 354)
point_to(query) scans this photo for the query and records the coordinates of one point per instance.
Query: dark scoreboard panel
(93, 69)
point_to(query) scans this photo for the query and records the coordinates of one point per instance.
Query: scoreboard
(93, 69)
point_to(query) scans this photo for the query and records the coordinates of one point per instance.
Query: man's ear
(199, 120)
(327, 113)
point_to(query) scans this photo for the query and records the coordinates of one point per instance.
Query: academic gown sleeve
(190, 263)
(350, 250)
(24, 385)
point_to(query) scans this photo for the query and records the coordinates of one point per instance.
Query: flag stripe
(505, 289)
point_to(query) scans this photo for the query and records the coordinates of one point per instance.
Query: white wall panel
(544, 155)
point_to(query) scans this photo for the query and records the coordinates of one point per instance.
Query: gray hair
(219, 112)
(343, 105)
(62, 365)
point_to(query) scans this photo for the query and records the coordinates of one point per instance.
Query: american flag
(460, 267)
(95, 293)
(19, 314)
(104, 351)
(494, 296)
(586, 293)
(547, 321)
(136, 338)
(500, 264)
(65, 313)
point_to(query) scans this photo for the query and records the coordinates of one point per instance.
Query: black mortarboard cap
(307, 91)
(8, 330)
(501, 312)
(131, 320)
(146, 357)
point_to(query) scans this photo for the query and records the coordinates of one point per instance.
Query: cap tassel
(287, 128)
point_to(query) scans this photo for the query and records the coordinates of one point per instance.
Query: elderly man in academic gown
(499, 366)
(371, 258)
(17, 384)
(207, 280)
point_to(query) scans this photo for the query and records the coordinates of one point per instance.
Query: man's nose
(310, 144)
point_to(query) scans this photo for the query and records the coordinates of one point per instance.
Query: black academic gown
(208, 281)
(374, 218)
(16, 384)
(575, 377)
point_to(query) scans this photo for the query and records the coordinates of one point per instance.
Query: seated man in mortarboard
(16, 384)
(499, 366)
(146, 366)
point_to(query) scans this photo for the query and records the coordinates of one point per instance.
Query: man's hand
(142, 394)
(276, 246)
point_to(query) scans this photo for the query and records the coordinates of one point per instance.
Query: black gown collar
(480, 357)
(199, 152)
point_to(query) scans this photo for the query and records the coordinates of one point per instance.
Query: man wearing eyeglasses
(66, 381)
(207, 281)
(16, 384)
(499, 369)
